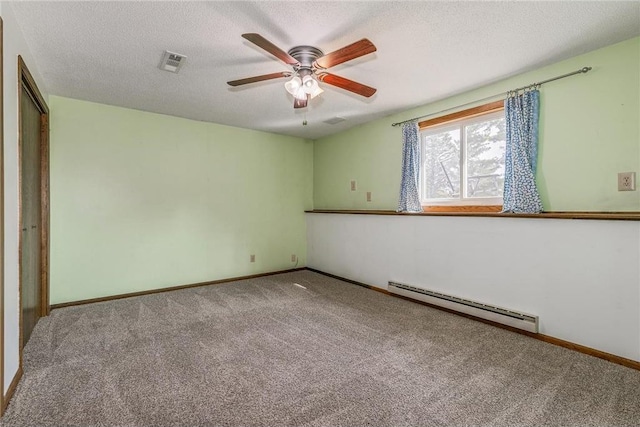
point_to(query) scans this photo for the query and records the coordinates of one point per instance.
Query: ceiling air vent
(172, 61)
(335, 120)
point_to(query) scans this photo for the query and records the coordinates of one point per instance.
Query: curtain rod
(580, 71)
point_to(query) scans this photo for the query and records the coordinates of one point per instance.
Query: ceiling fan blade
(300, 103)
(259, 78)
(347, 84)
(347, 53)
(265, 44)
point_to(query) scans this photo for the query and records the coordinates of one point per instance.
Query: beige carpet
(267, 352)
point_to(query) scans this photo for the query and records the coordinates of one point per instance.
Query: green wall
(589, 131)
(142, 201)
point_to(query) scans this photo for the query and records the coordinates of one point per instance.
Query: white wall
(581, 277)
(14, 45)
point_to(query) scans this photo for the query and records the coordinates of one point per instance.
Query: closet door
(31, 203)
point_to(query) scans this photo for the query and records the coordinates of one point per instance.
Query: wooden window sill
(461, 208)
(609, 216)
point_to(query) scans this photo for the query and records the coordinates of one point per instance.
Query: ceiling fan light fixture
(301, 93)
(293, 85)
(316, 91)
(310, 85)
(307, 81)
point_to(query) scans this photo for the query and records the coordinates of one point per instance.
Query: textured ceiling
(108, 52)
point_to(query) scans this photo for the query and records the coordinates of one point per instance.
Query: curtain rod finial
(586, 69)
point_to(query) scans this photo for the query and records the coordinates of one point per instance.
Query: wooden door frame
(26, 81)
(1, 219)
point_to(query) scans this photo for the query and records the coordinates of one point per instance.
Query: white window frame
(461, 200)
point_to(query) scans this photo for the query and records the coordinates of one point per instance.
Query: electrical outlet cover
(626, 181)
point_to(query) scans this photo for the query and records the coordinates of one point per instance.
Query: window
(463, 159)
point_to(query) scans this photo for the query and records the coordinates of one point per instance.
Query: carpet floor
(266, 352)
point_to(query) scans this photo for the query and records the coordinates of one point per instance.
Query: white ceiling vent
(172, 61)
(335, 120)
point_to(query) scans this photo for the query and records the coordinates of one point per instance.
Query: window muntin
(463, 161)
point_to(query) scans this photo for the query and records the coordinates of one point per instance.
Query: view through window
(463, 161)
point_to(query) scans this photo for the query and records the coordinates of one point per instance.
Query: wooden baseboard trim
(172, 288)
(630, 363)
(12, 389)
(353, 282)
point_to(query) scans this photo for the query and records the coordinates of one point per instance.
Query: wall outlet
(294, 258)
(368, 196)
(354, 185)
(627, 181)
(252, 258)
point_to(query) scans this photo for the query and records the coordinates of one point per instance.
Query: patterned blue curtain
(520, 191)
(409, 195)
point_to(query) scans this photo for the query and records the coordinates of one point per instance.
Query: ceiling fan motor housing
(305, 55)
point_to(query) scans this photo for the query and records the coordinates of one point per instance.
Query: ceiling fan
(308, 67)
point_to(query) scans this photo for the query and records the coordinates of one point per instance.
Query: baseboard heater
(505, 316)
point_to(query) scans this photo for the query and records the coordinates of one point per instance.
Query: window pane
(441, 168)
(485, 158)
